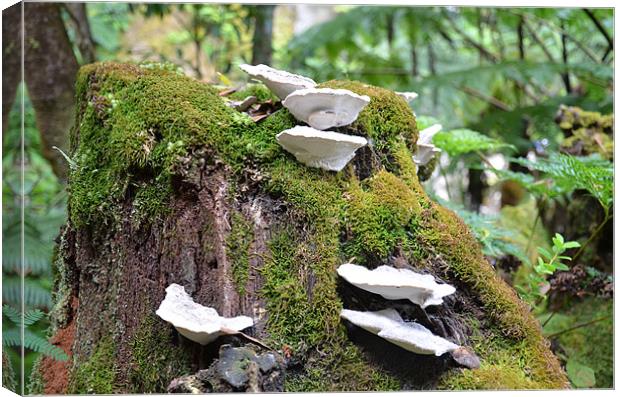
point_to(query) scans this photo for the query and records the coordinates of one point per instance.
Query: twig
(555, 334)
(599, 26)
(487, 98)
(596, 232)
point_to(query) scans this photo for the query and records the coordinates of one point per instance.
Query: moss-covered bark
(171, 185)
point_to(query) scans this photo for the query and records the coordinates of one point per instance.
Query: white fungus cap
(408, 96)
(394, 284)
(196, 322)
(328, 150)
(389, 325)
(324, 108)
(426, 150)
(280, 82)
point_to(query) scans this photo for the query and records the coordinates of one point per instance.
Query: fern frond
(42, 345)
(35, 294)
(461, 141)
(570, 173)
(12, 313)
(11, 337)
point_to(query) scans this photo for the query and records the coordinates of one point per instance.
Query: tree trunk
(84, 38)
(263, 34)
(50, 67)
(11, 59)
(182, 189)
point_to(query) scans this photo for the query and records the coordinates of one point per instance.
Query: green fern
(12, 337)
(569, 173)
(35, 294)
(461, 141)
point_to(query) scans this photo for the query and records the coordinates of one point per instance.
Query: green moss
(260, 91)
(237, 249)
(97, 375)
(156, 359)
(381, 216)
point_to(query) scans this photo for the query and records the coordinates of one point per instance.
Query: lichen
(97, 375)
(156, 358)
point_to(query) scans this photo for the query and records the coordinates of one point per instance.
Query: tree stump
(173, 186)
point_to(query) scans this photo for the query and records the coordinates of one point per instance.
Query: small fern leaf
(32, 316)
(11, 338)
(41, 345)
(13, 314)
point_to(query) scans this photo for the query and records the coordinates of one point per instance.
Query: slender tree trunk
(50, 68)
(11, 59)
(565, 75)
(262, 49)
(84, 38)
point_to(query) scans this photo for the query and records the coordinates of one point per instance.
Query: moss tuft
(237, 249)
(98, 374)
(156, 358)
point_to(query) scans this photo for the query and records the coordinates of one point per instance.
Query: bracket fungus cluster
(395, 284)
(426, 150)
(320, 108)
(198, 323)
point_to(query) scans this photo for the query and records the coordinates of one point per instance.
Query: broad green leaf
(580, 375)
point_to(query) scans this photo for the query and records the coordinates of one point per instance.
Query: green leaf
(561, 266)
(545, 253)
(580, 375)
(461, 141)
(571, 244)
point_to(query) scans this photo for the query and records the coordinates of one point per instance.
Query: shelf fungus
(389, 325)
(407, 96)
(324, 108)
(280, 82)
(426, 150)
(196, 322)
(394, 284)
(328, 150)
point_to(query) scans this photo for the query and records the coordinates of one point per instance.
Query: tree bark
(84, 38)
(262, 48)
(11, 59)
(50, 68)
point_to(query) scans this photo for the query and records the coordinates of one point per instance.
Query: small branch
(595, 234)
(538, 40)
(487, 98)
(556, 334)
(483, 51)
(561, 31)
(599, 26)
(565, 75)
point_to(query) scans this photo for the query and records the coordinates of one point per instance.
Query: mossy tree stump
(173, 186)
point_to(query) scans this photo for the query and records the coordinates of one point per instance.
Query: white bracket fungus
(426, 150)
(324, 108)
(389, 325)
(408, 96)
(280, 82)
(394, 284)
(196, 322)
(328, 150)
